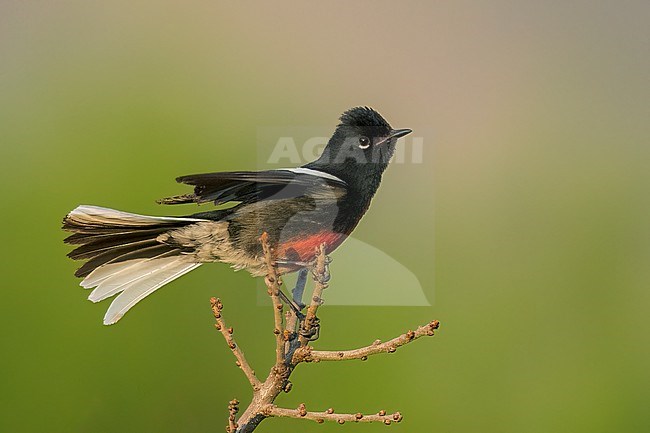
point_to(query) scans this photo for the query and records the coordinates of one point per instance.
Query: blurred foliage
(535, 259)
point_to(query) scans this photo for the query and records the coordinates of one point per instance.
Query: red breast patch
(305, 247)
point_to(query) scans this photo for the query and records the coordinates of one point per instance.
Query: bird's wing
(252, 186)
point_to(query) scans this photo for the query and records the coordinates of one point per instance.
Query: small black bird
(300, 209)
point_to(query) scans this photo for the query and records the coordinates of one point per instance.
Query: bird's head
(363, 143)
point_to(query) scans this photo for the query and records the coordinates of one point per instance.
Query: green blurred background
(534, 252)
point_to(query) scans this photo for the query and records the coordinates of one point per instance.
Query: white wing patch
(317, 173)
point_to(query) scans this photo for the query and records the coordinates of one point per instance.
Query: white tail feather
(117, 282)
(141, 288)
(105, 271)
(136, 279)
(102, 215)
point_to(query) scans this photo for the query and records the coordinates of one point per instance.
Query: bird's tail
(124, 255)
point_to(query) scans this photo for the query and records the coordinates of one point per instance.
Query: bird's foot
(322, 278)
(313, 332)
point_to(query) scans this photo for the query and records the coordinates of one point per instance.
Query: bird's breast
(303, 248)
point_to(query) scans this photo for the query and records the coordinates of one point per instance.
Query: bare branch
(307, 354)
(227, 333)
(273, 282)
(292, 348)
(320, 284)
(233, 408)
(329, 415)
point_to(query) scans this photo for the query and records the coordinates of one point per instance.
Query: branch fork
(293, 332)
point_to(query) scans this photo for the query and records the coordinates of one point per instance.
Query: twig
(227, 333)
(273, 282)
(329, 415)
(292, 348)
(307, 354)
(320, 284)
(233, 408)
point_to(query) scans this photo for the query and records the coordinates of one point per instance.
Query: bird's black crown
(363, 117)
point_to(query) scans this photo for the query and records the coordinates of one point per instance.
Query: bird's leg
(313, 332)
(295, 307)
(296, 304)
(299, 289)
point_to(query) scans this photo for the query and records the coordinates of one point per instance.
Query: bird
(319, 203)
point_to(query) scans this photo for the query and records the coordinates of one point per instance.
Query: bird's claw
(325, 276)
(313, 332)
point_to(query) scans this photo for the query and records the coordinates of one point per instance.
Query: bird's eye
(364, 142)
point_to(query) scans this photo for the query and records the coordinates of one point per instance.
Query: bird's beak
(397, 133)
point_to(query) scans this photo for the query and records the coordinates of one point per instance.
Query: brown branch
(329, 415)
(320, 284)
(233, 408)
(292, 348)
(273, 282)
(307, 354)
(227, 333)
